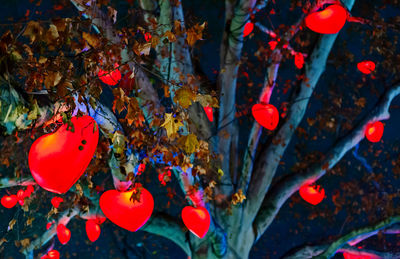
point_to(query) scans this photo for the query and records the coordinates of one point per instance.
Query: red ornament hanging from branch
(55, 201)
(312, 194)
(327, 21)
(248, 28)
(92, 230)
(266, 115)
(374, 131)
(110, 77)
(366, 67)
(52, 254)
(58, 159)
(197, 220)
(63, 234)
(9, 201)
(124, 210)
(209, 112)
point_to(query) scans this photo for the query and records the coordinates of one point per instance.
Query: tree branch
(270, 156)
(290, 184)
(169, 227)
(65, 217)
(341, 244)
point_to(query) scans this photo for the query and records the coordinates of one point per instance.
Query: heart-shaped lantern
(374, 131)
(248, 28)
(125, 211)
(197, 220)
(52, 254)
(327, 21)
(55, 201)
(358, 256)
(266, 115)
(110, 77)
(312, 194)
(9, 201)
(366, 67)
(63, 234)
(209, 112)
(92, 230)
(58, 159)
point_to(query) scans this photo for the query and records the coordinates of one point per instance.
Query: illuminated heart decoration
(209, 112)
(124, 212)
(58, 159)
(147, 36)
(56, 201)
(374, 131)
(92, 230)
(9, 201)
(328, 21)
(312, 194)
(299, 60)
(20, 197)
(366, 67)
(63, 234)
(110, 77)
(358, 256)
(52, 254)
(266, 115)
(248, 28)
(197, 220)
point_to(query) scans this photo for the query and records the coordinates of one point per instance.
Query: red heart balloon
(56, 201)
(328, 21)
(58, 159)
(359, 256)
(110, 77)
(374, 131)
(266, 115)
(209, 112)
(197, 220)
(312, 194)
(126, 212)
(248, 28)
(52, 254)
(366, 67)
(63, 234)
(92, 230)
(9, 201)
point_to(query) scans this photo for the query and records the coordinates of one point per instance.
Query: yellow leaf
(207, 100)
(171, 124)
(171, 37)
(93, 40)
(189, 143)
(33, 31)
(11, 224)
(52, 33)
(238, 197)
(184, 97)
(52, 79)
(220, 173)
(195, 33)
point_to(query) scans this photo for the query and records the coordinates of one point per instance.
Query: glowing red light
(9, 201)
(366, 67)
(312, 194)
(21, 196)
(125, 212)
(266, 115)
(248, 28)
(374, 131)
(63, 234)
(92, 230)
(357, 256)
(147, 36)
(197, 220)
(272, 44)
(299, 60)
(29, 190)
(328, 21)
(110, 77)
(56, 201)
(58, 159)
(209, 112)
(52, 254)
